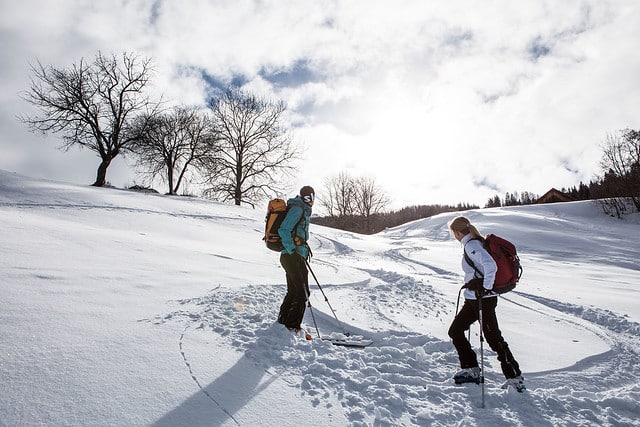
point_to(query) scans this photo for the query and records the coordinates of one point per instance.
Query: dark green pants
(294, 303)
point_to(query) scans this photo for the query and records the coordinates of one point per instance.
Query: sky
(128, 309)
(440, 103)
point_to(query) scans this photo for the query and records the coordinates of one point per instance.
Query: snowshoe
(468, 375)
(347, 340)
(517, 383)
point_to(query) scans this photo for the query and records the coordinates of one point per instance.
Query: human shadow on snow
(217, 403)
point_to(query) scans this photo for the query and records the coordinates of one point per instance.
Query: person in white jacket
(475, 288)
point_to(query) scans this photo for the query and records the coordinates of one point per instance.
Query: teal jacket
(299, 213)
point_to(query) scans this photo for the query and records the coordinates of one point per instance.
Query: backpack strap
(294, 231)
(467, 259)
(297, 240)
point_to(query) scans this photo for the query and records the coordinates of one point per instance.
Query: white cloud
(440, 102)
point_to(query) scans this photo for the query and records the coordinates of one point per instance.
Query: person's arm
(286, 228)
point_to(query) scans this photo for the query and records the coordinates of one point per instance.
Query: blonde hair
(464, 226)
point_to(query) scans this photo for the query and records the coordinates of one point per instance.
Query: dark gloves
(475, 284)
(482, 293)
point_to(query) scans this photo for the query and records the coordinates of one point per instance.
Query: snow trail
(108, 297)
(404, 378)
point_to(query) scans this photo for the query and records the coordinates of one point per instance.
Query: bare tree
(352, 202)
(255, 149)
(92, 105)
(171, 143)
(338, 197)
(621, 164)
(370, 199)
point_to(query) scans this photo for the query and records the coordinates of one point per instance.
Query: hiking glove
(475, 284)
(482, 292)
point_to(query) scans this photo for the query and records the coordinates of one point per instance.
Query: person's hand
(482, 292)
(475, 284)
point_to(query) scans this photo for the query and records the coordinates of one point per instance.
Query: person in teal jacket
(294, 232)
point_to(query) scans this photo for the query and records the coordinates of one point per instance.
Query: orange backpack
(276, 212)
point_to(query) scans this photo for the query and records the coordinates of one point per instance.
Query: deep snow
(123, 308)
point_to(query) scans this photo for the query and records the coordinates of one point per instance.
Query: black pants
(293, 305)
(492, 334)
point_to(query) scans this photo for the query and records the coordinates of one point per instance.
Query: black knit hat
(308, 194)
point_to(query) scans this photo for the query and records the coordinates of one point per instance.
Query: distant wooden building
(553, 196)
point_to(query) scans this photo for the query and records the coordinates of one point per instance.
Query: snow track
(109, 318)
(197, 381)
(606, 385)
(404, 378)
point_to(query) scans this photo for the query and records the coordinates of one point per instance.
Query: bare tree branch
(352, 202)
(174, 142)
(91, 105)
(339, 195)
(621, 165)
(255, 151)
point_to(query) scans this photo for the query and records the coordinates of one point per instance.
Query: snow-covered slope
(122, 308)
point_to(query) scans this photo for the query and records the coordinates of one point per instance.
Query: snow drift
(122, 308)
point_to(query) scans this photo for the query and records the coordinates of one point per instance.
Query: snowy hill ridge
(122, 308)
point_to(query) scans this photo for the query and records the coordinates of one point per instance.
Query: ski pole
(479, 296)
(325, 298)
(313, 316)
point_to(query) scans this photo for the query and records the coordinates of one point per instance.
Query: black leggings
(492, 334)
(293, 305)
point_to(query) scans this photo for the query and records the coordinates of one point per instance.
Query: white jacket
(483, 262)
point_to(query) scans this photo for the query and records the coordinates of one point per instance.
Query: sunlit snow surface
(123, 308)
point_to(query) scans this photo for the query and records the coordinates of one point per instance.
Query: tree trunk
(238, 188)
(101, 178)
(170, 178)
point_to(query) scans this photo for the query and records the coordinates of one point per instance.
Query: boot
(467, 375)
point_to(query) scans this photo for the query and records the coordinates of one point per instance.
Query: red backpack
(504, 254)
